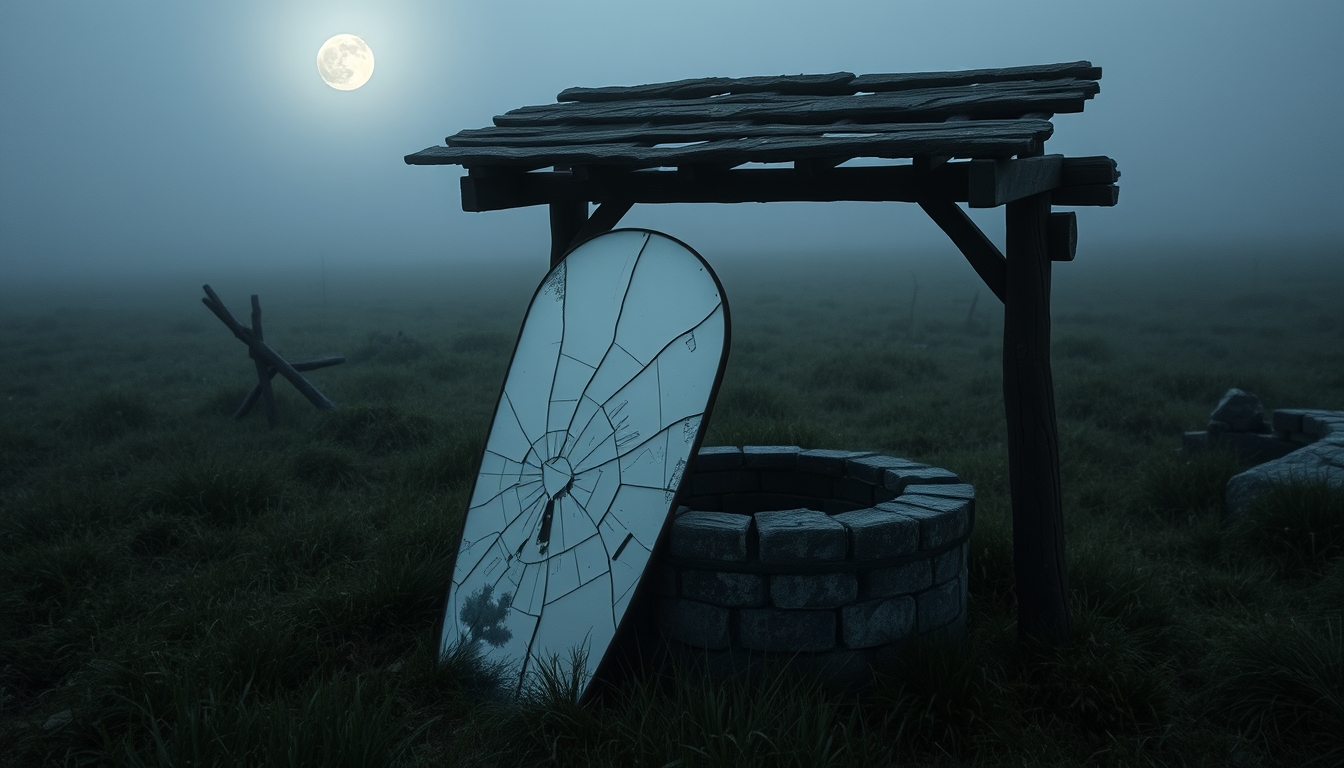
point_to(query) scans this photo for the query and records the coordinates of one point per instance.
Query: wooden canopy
(974, 137)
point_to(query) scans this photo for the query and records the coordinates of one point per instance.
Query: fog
(198, 140)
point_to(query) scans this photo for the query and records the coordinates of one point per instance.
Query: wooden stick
(255, 392)
(263, 381)
(267, 354)
(978, 249)
(567, 219)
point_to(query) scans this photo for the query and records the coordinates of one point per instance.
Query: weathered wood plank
(961, 139)
(899, 81)
(263, 378)
(978, 249)
(1040, 573)
(1086, 171)
(702, 87)
(1003, 100)
(996, 182)
(1104, 195)
(744, 185)
(649, 134)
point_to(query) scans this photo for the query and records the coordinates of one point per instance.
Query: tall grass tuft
(220, 492)
(1297, 525)
(1181, 484)
(1282, 683)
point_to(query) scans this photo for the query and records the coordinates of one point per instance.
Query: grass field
(180, 589)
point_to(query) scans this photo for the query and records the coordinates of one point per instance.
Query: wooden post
(1033, 439)
(263, 374)
(567, 219)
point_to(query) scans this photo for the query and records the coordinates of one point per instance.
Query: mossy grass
(177, 587)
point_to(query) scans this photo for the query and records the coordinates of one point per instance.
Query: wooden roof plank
(960, 139)
(901, 81)
(834, 83)
(647, 133)
(1008, 99)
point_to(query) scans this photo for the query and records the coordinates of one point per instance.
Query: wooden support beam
(606, 217)
(255, 393)
(997, 182)
(984, 257)
(567, 220)
(1062, 235)
(1039, 569)
(890, 183)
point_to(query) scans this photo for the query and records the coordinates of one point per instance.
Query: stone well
(831, 558)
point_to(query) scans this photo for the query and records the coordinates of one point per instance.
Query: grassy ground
(180, 589)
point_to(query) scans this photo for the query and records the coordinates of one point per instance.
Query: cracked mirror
(618, 361)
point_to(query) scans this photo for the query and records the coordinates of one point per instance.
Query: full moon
(345, 62)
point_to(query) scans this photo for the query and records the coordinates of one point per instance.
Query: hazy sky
(152, 135)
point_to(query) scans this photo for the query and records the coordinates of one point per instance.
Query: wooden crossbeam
(268, 362)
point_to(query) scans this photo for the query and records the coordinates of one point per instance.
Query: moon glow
(345, 62)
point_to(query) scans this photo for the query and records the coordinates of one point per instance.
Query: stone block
(770, 456)
(876, 533)
(897, 479)
(1322, 424)
(710, 535)
(694, 623)
(950, 491)
(1194, 442)
(813, 590)
(773, 629)
(1238, 411)
(1287, 420)
(851, 490)
(949, 564)
(719, 483)
(826, 462)
(731, 590)
(871, 469)
(1322, 460)
(717, 458)
(799, 535)
(895, 580)
(877, 622)
(796, 483)
(941, 520)
(939, 606)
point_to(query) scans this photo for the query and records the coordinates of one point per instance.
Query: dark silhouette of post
(1033, 439)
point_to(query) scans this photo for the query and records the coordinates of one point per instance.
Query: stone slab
(730, 590)
(872, 469)
(717, 458)
(773, 629)
(876, 533)
(799, 536)
(711, 535)
(694, 623)
(949, 564)
(898, 479)
(950, 491)
(770, 456)
(941, 520)
(895, 580)
(826, 462)
(813, 590)
(877, 622)
(1322, 460)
